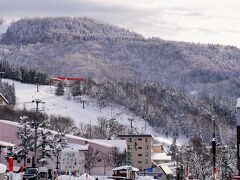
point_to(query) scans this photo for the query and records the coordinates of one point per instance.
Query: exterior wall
(140, 150)
(157, 148)
(8, 134)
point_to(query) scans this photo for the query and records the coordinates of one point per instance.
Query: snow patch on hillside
(61, 105)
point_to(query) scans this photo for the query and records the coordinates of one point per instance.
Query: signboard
(149, 169)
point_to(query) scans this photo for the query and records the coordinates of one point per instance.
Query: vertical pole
(131, 121)
(35, 137)
(238, 143)
(214, 151)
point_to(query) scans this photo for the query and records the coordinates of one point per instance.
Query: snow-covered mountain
(87, 47)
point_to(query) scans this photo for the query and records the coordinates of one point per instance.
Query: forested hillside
(168, 111)
(192, 77)
(85, 47)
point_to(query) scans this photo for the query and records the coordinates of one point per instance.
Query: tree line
(22, 74)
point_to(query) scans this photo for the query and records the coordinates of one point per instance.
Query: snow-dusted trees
(23, 74)
(60, 89)
(62, 124)
(105, 129)
(91, 157)
(173, 150)
(107, 160)
(49, 143)
(8, 91)
(197, 159)
(25, 135)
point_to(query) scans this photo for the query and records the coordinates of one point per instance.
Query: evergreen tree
(173, 150)
(25, 135)
(60, 89)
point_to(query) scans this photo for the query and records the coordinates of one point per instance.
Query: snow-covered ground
(25, 93)
(61, 105)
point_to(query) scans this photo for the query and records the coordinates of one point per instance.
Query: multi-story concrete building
(144, 150)
(139, 149)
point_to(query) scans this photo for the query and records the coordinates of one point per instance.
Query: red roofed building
(67, 81)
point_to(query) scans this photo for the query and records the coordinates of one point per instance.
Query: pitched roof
(6, 144)
(108, 145)
(135, 135)
(6, 101)
(59, 78)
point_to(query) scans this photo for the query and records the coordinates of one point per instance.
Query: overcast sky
(206, 21)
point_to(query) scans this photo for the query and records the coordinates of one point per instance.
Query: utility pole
(238, 136)
(214, 150)
(131, 121)
(36, 124)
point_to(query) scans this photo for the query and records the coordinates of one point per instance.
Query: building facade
(139, 149)
(8, 131)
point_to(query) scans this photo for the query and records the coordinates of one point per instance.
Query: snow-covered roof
(6, 101)
(89, 140)
(165, 169)
(120, 144)
(76, 147)
(238, 103)
(6, 144)
(125, 168)
(160, 157)
(3, 168)
(10, 123)
(67, 135)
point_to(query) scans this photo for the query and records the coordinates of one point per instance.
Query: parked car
(42, 173)
(30, 174)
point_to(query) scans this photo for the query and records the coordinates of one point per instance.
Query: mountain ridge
(85, 47)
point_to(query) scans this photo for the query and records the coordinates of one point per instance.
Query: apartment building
(139, 149)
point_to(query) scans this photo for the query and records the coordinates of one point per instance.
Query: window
(146, 139)
(139, 154)
(28, 160)
(129, 139)
(139, 162)
(129, 146)
(139, 147)
(146, 161)
(146, 154)
(99, 160)
(139, 139)
(146, 146)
